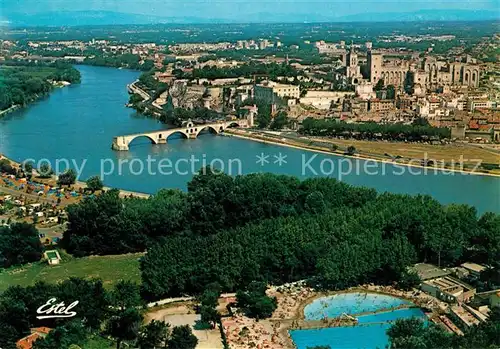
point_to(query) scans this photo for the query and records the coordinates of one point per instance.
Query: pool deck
(274, 333)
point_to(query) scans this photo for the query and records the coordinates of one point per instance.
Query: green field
(99, 343)
(108, 268)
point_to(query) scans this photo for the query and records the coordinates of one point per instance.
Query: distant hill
(82, 18)
(423, 15)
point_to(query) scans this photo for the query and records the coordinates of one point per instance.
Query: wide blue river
(76, 125)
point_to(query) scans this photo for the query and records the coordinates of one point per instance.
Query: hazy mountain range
(80, 18)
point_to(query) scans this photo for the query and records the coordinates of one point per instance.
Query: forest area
(371, 130)
(22, 83)
(278, 229)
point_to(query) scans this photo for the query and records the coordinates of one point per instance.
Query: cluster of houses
(45, 214)
(465, 306)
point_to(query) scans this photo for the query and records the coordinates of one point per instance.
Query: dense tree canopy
(272, 70)
(182, 338)
(67, 178)
(94, 184)
(126, 60)
(18, 309)
(333, 234)
(272, 228)
(22, 83)
(19, 244)
(154, 335)
(214, 201)
(6, 167)
(254, 301)
(371, 130)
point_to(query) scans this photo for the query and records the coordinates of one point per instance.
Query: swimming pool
(370, 333)
(350, 303)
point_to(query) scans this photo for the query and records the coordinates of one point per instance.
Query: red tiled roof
(473, 125)
(485, 127)
(41, 330)
(27, 342)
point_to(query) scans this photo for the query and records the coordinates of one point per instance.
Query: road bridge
(189, 131)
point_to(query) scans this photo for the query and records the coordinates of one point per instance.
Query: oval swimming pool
(370, 333)
(350, 303)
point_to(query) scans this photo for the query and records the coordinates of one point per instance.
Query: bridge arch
(184, 134)
(206, 127)
(233, 124)
(153, 141)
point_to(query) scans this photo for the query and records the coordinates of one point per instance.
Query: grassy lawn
(99, 343)
(447, 153)
(108, 268)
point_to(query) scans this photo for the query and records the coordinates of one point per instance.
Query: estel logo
(59, 310)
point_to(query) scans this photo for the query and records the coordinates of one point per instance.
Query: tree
(351, 150)
(6, 167)
(93, 306)
(406, 328)
(126, 294)
(182, 338)
(420, 121)
(379, 86)
(154, 335)
(72, 333)
(94, 184)
(67, 178)
(264, 115)
(28, 168)
(9, 336)
(391, 92)
(279, 121)
(209, 302)
(45, 171)
(19, 244)
(315, 202)
(409, 280)
(255, 303)
(125, 326)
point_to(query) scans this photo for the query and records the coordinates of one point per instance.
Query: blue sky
(230, 8)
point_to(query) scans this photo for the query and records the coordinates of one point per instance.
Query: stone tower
(353, 71)
(374, 62)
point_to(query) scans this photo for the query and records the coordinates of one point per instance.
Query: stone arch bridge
(189, 131)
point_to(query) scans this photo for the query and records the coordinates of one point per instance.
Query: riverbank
(55, 84)
(9, 110)
(282, 140)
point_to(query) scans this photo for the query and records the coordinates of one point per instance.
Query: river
(78, 123)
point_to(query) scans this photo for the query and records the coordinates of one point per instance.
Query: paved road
(138, 90)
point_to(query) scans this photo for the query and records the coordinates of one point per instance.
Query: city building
(323, 99)
(392, 72)
(432, 72)
(353, 70)
(488, 298)
(448, 289)
(464, 317)
(380, 105)
(271, 91)
(427, 271)
(473, 268)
